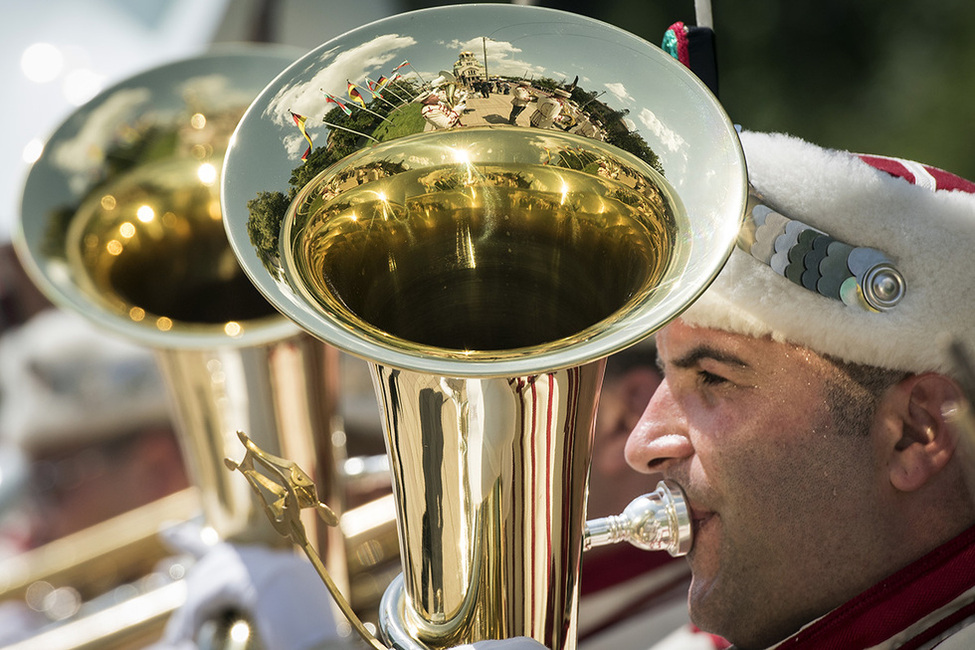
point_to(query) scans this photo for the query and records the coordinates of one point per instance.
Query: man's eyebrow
(695, 355)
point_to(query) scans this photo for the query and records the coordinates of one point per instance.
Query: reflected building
(467, 69)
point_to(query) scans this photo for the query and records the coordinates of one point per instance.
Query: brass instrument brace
(293, 490)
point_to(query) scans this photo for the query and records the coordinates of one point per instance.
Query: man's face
(780, 493)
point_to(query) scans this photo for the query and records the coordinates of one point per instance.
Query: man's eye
(710, 379)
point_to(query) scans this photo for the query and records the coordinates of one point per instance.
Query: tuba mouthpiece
(658, 521)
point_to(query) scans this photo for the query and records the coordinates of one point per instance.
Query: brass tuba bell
(121, 222)
(485, 264)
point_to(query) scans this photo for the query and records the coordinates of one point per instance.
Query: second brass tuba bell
(485, 270)
(121, 223)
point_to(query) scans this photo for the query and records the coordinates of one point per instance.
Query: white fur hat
(65, 383)
(918, 220)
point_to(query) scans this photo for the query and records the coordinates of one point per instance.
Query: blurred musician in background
(90, 416)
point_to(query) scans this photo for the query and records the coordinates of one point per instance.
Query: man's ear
(923, 440)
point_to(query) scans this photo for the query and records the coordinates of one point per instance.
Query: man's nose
(660, 437)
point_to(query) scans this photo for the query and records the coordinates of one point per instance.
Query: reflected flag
(300, 123)
(355, 95)
(337, 102)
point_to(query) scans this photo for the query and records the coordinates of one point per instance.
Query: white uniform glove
(279, 591)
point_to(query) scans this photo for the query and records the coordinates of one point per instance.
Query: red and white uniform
(630, 598)
(927, 604)
(440, 116)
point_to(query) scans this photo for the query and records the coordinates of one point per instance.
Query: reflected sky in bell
(536, 50)
(622, 71)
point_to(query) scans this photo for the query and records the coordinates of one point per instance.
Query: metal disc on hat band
(883, 287)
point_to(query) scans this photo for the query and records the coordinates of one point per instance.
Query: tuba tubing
(478, 492)
(287, 389)
(136, 622)
(105, 563)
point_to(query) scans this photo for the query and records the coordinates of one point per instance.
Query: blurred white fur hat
(913, 222)
(64, 383)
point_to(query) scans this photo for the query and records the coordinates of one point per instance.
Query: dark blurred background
(895, 78)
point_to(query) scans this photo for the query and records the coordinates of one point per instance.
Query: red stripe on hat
(944, 180)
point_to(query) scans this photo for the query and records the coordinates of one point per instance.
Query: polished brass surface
(490, 479)
(121, 216)
(154, 250)
(287, 391)
(132, 238)
(460, 237)
(651, 115)
(485, 265)
(449, 256)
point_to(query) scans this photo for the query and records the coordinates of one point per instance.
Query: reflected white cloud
(81, 85)
(668, 137)
(503, 57)
(215, 91)
(619, 91)
(295, 144)
(85, 151)
(354, 64)
(33, 150)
